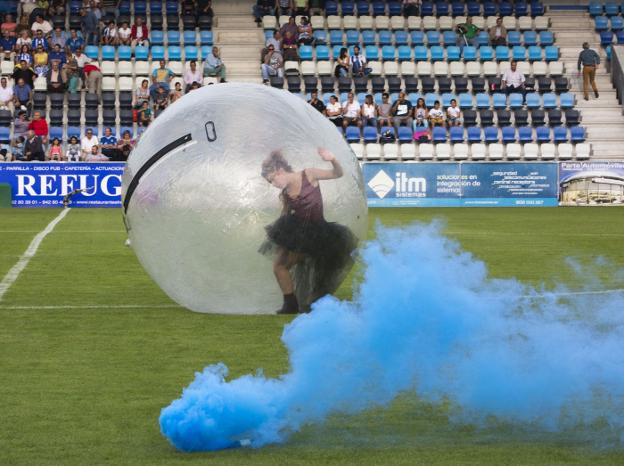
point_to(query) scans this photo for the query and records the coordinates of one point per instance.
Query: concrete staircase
(239, 39)
(602, 117)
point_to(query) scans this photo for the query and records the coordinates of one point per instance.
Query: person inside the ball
(311, 255)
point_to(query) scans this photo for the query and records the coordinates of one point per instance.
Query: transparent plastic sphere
(195, 202)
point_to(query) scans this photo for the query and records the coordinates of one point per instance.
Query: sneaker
(586, 98)
(596, 94)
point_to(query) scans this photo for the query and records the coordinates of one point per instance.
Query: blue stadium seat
(124, 8)
(542, 134)
(546, 38)
(474, 8)
(412, 97)
(335, 37)
(486, 53)
(606, 38)
(616, 23)
(430, 98)
(158, 52)
(363, 8)
(533, 100)
(108, 52)
(189, 38)
(505, 9)
(499, 100)
(92, 51)
(73, 131)
(489, 8)
(305, 52)
(521, 8)
(191, 52)
(595, 8)
(401, 38)
(205, 51)
(446, 99)
(348, 8)
(140, 7)
(372, 53)
(514, 38)
(608, 49)
(205, 38)
(490, 134)
(125, 53)
(417, 37)
(336, 51)
(519, 53)
(535, 53)
(470, 53)
(405, 134)
(405, 53)
(560, 134)
(577, 134)
(352, 134)
(394, 8)
(156, 7)
(465, 100)
(320, 36)
(370, 134)
(508, 134)
(369, 37)
(453, 53)
(566, 100)
(525, 134)
(483, 100)
(426, 8)
(502, 53)
(331, 8)
(172, 7)
(458, 8)
(433, 38)
(361, 96)
(619, 37)
(442, 8)
(174, 52)
(438, 134)
(530, 38)
(388, 53)
(456, 134)
(551, 53)
(5, 134)
(56, 132)
(437, 53)
(475, 134)
(516, 100)
(385, 37)
(449, 38)
(483, 38)
(537, 9)
(601, 23)
(420, 53)
(157, 38)
(322, 52)
(75, 6)
(611, 9)
(353, 37)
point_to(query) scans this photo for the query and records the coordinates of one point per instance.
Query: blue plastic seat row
(351, 7)
(9, 6)
(174, 38)
(609, 8)
(602, 23)
(157, 52)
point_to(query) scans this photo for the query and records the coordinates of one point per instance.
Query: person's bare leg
(281, 268)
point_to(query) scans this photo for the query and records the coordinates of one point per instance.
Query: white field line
(30, 252)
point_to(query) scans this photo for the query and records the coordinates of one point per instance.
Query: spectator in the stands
(95, 155)
(141, 94)
(275, 41)
(195, 86)
(57, 55)
(590, 60)
(351, 112)
(315, 102)
(343, 64)
(421, 115)
(108, 144)
(402, 112)
(334, 111)
(453, 114)
(263, 8)
(436, 115)
(24, 55)
(33, 148)
(305, 33)
(59, 37)
(55, 152)
(273, 64)
(41, 24)
(23, 39)
(192, 75)
(93, 77)
(39, 40)
(302, 7)
(214, 66)
(57, 7)
(73, 153)
(161, 78)
(290, 47)
(9, 26)
(498, 33)
(384, 111)
(125, 145)
(6, 154)
(20, 124)
(467, 33)
(358, 63)
(87, 142)
(22, 94)
(24, 71)
(90, 26)
(285, 7)
(110, 34)
(144, 115)
(17, 148)
(72, 73)
(411, 8)
(74, 42)
(7, 43)
(81, 59)
(513, 80)
(6, 95)
(139, 33)
(161, 101)
(40, 61)
(176, 92)
(204, 8)
(55, 79)
(369, 111)
(124, 34)
(39, 126)
(291, 26)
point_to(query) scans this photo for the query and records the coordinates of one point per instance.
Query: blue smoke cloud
(426, 319)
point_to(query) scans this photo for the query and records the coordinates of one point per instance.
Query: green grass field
(83, 380)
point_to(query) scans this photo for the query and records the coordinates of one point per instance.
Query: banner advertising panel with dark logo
(461, 184)
(592, 183)
(46, 184)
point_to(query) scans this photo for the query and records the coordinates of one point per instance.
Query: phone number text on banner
(46, 184)
(461, 184)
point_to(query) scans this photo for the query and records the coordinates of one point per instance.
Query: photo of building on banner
(591, 183)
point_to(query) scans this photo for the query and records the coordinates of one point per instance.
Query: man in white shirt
(124, 33)
(81, 58)
(41, 25)
(192, 75)
(351, 112)
(358, 63)
(6, 95)
(513, 80)
(87, 142)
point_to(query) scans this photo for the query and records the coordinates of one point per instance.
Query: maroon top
(308, 205)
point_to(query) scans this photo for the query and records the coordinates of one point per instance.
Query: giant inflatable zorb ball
(196, 205)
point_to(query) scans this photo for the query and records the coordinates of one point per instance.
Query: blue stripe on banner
(469, 202)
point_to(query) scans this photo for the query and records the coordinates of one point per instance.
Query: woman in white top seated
(369, 112)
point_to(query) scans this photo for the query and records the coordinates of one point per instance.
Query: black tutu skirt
(327, 249)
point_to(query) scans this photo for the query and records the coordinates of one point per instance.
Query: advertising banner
(591, 183)
(46, 184)
(461, 184)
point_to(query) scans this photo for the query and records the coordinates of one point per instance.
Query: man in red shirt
(39, 126)
(139, 33)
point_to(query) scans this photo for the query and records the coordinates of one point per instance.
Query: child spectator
(453, 114)
(55, 152)
(17, 148)
(436, 115)
(124, 34)
(176, 93)
(73, 150)
(144, 116)
(110, 34)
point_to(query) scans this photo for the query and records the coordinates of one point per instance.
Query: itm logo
(405, 186)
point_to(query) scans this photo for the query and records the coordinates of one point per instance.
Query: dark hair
(344, 52)
(56, 140)
(274, 162)
(385, 94)
(436, 102)
(453, 100)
